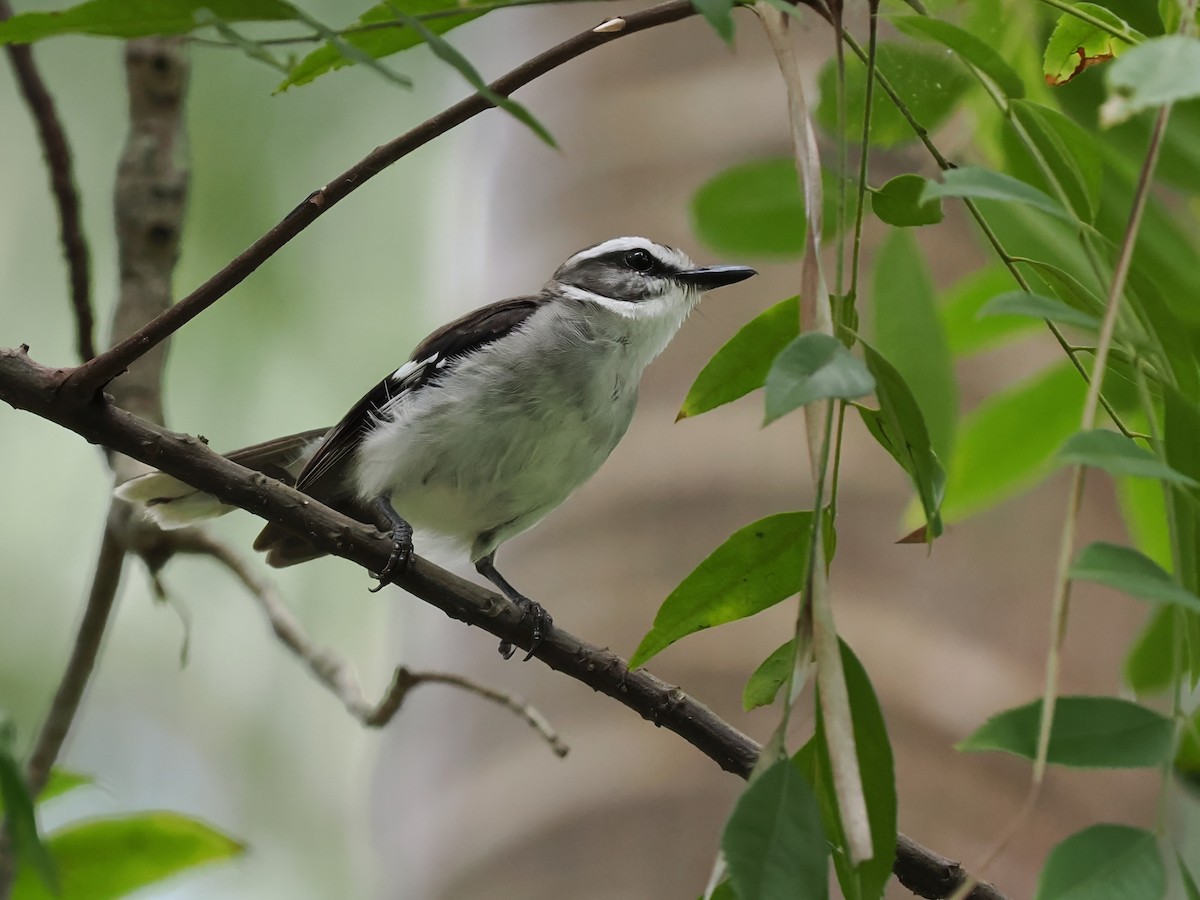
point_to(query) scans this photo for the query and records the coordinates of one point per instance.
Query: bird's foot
(402, 542)
(533, 616)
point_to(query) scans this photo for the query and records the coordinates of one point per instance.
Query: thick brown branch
(57, 153)
(83, 382)
(26, 385)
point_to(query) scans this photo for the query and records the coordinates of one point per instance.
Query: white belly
(485, 454)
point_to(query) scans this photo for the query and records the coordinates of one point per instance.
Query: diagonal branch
(57, 153)
(83, 382)
(26, 385)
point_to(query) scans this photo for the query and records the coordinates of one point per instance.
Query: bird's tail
(171, 503)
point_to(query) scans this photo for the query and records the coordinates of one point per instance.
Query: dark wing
(324, 476)
(277, 457)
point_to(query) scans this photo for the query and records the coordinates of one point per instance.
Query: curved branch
(82, 383)
(57, 152)
(26, 385)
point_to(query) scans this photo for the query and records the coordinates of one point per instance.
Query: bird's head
(638, 278)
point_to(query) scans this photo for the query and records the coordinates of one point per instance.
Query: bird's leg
(539, 620)
(402, 542)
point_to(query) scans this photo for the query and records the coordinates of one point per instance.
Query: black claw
(539, 622)
(402, 543)
(402, 554)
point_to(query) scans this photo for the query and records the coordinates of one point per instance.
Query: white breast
(512, 430)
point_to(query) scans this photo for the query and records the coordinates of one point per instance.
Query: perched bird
(495, 420)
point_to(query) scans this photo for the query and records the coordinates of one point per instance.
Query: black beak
(715, 276)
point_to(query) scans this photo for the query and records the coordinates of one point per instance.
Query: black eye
(639, 260)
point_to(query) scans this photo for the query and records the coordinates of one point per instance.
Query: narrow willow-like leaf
(1125, 569)
(774, 842)
(909, 335)
(899, 203)
(741, 366)
(106, 859)
(377, 41)
(1037, 306)
(813, 367)
(765, 682)
(959, 305)
(1118, 455)
(1155, 73)
(757, 567)
(984, 184)
(718, 14)
(867, 880)
(974, 50)
(1104, 862)
(900, 429)
(1088, 732)
(756, 209)
(1009, 440)
(138, 18)
(927, 81)
(1071, 153)
(1075, 44)
(444, 51)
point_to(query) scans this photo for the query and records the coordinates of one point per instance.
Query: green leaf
(1181, 437)
(974, 50)
(1009, 440)
(899, 203)
(959, 306)
(1117, 455)
(741, 366)
(1088, 732)
(1150, 666)
(900, 429)
(60, 782)
(1161, 71)
(1037, 306)
(926, 80)
(757, 567)
(773, 841)
(138, 18)
(984, 184)
(106, 859)
(867, 880)
(814, 367)
(1076, 44)
(1104, 862)
(909, 334)
(377, 42)
(20, 822)
(447, 54)
(1124, 569)
(769, 677)
(756, 209)
(1071, 153)
(1187, 757)
(718, 14)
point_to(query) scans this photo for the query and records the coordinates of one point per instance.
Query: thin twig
(82, 383)
(27, 385)
(57, 153)
(330, 669)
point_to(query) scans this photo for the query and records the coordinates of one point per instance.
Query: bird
(494, 421)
